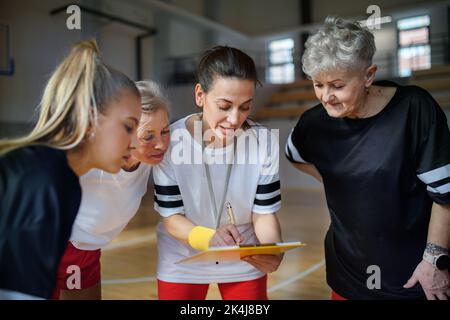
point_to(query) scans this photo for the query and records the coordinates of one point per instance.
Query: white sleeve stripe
(266, 196)
(168, 198)
(442, 189)
(167, 212)
(267, 209)
(295, 154)
(435, 175)
(163, 209)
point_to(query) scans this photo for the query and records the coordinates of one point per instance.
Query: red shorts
(335, 296)
(78, 269)
(243, 290)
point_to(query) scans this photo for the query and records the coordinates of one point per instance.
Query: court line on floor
(297, 277)
(129, 280)
(132, 242)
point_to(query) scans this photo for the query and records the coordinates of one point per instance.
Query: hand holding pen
(228, 234)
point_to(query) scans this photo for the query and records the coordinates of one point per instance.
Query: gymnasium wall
(39, 42)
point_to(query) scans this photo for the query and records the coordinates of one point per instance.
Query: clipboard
(235, 253)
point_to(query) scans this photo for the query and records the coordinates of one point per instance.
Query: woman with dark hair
(192, 188)
(382, 152)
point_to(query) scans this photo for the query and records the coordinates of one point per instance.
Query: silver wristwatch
(440, 261)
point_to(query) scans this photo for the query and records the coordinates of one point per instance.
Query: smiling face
(226, 105)
(343, 92)
(115, 133)
(153, 139)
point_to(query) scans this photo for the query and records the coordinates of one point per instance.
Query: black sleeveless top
(39, 199)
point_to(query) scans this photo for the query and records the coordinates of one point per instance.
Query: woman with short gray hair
(382, 152)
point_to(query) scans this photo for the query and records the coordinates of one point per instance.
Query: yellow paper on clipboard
(235, 253)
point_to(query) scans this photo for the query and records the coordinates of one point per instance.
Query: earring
(366, 89)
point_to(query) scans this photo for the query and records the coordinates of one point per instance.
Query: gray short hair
(339, 44)
(152, 98)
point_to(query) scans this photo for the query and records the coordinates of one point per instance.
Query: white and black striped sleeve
(438, 183)
(292, 149)
(268, 194)
(433, 151)
(292, 152)
(168, 200)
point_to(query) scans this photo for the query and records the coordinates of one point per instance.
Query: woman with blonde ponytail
(88, 118)
(111, 200)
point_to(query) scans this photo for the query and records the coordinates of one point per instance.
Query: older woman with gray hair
(382, 152)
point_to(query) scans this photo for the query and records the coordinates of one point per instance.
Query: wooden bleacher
(435, 80)
(290, 101)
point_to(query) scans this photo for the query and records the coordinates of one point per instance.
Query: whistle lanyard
(218, 210)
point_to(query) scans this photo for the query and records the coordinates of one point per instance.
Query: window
(281, 62)
(414, 51)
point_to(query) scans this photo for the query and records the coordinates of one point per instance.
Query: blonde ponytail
(80, 87)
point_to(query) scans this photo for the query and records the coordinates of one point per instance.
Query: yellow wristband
(199, 237)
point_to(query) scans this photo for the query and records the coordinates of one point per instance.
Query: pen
(230, 213)
(231, 216)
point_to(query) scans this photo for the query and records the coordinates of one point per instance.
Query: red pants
(335, 296)
(243, 290)
(84, 264)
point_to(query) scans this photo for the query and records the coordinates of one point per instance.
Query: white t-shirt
(181, 187)
(109, 201)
